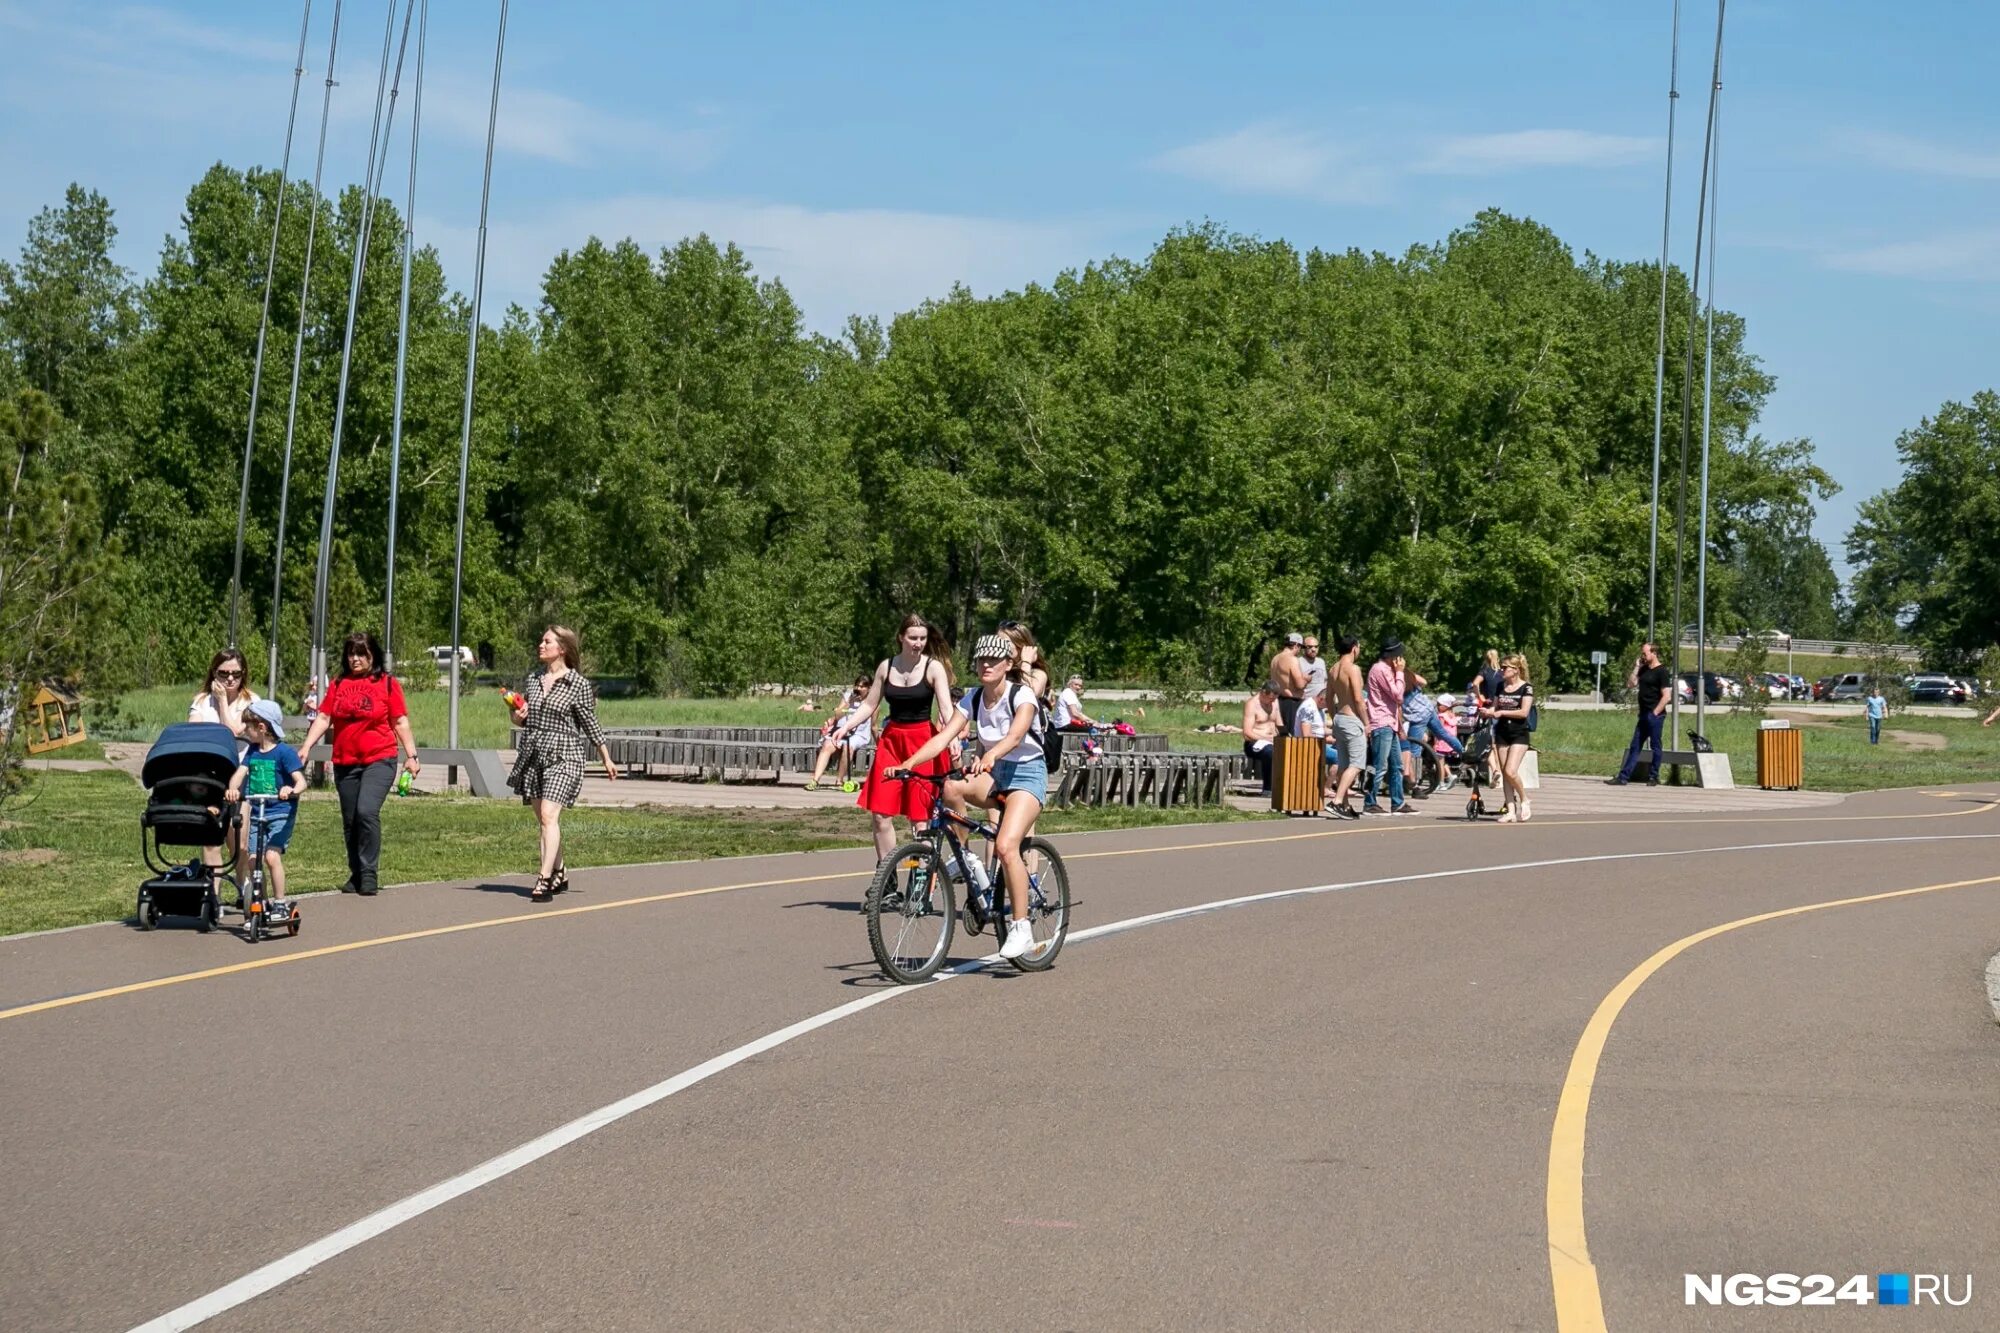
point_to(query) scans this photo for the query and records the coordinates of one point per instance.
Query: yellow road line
(434, 932)
(1579, 1304)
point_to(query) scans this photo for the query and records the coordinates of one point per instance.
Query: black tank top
(909, 703)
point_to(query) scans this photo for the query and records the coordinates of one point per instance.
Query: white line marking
(1993, 985)
(282, 1270)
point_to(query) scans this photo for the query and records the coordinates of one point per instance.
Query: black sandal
(559, 882)
(541, 893)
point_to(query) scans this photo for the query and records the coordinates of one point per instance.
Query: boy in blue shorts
(269, 768)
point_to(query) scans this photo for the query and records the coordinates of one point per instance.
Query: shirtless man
(1288, 677)
(1344, 697)
(1260, 733)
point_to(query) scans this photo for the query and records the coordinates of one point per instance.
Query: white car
(441, 654)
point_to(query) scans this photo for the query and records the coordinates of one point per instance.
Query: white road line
(279, 1271)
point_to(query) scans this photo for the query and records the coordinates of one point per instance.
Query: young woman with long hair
(916, 683)
(1509, 710)
(1009, 774)
(557, 715)
(225, 699)
(365, 711)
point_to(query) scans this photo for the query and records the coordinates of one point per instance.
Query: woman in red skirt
(916, 684)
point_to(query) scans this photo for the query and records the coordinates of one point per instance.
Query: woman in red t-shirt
(364, 709)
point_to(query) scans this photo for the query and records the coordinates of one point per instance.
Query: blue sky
(872, 154)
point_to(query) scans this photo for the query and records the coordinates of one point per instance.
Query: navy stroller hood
(191, 749)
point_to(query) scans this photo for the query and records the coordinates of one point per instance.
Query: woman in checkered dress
(557, 716)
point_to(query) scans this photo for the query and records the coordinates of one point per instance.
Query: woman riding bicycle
(1009, 774)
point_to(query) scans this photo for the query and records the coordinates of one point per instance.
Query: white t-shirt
(1310, 719)
(994, 721)
(202, 709)
(1068, 705)
(1315, 669)
(864, 732)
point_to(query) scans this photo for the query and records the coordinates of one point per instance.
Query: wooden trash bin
(1298, 774)
(1781, 761)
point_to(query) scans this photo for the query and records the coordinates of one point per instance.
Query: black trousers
(363, 788)
(1260, 762)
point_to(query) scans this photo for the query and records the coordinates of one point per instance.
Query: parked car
(1711, 685)
(1932, 688)
(1732, 688)
(1776, 684)
(1822, 689)
(441, 654)
(1853, 685)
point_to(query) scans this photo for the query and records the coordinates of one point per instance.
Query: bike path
(389, 1068)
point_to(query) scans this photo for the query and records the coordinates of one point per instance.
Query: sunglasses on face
(229, 675)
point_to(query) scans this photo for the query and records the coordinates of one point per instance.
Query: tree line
(1162, 464)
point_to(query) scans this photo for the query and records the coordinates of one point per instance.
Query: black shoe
(365, 885)
(348, 885)
(559, 883)
(1346, 811)
(1653, 780)
(1619, 781)
(1370, 808)
(1404, 809)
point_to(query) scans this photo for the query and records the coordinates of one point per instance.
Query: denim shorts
(1025, 775)
(273, 822)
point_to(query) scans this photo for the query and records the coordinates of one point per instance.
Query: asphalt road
(1341, 1109)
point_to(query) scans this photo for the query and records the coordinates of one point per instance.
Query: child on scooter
(269, 768)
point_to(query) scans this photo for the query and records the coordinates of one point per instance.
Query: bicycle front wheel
(1048, 904)
(910, 914)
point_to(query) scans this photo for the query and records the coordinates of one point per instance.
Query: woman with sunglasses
(1009, 774)
(364, 710)
(225, 700)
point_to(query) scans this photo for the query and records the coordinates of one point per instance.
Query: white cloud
(834, 262)
(1492, 154)
(1276, 159)
(149, 24)
(1901, 152)
(535, 122)
(1270, 158)
(1969, 255)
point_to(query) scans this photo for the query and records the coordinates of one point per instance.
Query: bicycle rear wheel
(909, 912)
(1048, 904)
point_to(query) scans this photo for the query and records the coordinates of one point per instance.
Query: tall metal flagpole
(403, 342)
(1708, 395)
(324, 568)
(1687, 374)
(264, 325)
(471, 367)
(1660, 358)
(298, 355)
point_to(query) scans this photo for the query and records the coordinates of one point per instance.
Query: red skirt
(886, 796)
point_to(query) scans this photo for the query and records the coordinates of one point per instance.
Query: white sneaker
(1527, 810)
(1020, 940)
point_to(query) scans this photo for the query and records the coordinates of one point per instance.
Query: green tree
(66, 309)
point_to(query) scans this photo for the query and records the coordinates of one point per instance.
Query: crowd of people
(364, 715)
(1383, 724)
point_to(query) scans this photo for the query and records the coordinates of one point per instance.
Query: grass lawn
(1915, 751)
(69, 852)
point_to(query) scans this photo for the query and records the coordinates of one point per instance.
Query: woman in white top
(226, 695)
(1009, 774)
(850, 744)
(226, 699)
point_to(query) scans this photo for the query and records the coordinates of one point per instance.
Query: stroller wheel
(1472, 810)
(148, 911)
(211, 908)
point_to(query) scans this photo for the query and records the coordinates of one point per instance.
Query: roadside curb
(1993, 985)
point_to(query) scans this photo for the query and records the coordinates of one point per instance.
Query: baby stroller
(1474, 768)
(185, 775)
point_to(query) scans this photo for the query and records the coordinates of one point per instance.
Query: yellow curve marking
(1579, 1303)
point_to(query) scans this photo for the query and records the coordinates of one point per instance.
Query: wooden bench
(1134, 778)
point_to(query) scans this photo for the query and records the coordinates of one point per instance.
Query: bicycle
(909, 905)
